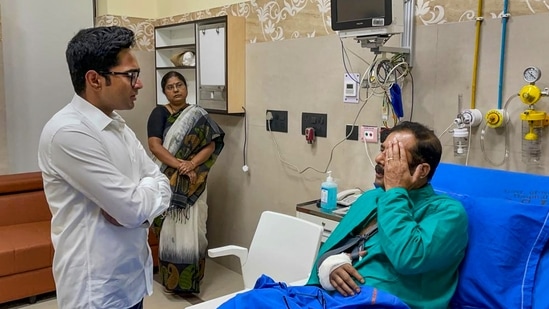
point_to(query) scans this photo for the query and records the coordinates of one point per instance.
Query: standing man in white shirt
(102, 188)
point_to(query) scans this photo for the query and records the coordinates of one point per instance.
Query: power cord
(245, 167)
(343, 57)
(269, 117)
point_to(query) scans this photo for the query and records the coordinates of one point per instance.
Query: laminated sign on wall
(212, 75)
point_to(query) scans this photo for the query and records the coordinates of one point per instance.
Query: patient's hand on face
(397, 172)
(343, 280)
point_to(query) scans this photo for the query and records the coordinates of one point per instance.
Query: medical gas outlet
(496, 118)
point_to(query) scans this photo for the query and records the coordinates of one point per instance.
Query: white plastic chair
(283, 247)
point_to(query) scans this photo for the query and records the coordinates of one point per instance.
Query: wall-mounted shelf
(217, 82)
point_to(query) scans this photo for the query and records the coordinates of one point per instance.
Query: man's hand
(397, 173)
(342, 280)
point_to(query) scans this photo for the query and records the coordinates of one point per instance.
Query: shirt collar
(95, 115)
(422, 193)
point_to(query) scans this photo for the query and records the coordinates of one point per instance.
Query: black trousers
(139, 305)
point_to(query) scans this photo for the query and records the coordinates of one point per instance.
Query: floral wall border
(273, 20)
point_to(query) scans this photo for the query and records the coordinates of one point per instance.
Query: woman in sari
(185, 143)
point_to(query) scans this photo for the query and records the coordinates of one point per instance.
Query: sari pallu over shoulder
(186, 133)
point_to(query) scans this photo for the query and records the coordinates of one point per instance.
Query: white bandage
(328, 266)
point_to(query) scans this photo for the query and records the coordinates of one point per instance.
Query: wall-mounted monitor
(367, 17)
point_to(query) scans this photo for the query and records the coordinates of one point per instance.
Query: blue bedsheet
(270, 294)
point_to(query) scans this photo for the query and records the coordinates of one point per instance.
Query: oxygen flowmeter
(533, 121)
(464, 121)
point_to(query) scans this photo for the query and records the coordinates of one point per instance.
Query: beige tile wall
(305, 75)
(137, 117)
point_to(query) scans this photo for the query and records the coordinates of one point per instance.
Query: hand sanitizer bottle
(328, 193)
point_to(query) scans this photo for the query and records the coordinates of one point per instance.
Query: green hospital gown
(420, 243)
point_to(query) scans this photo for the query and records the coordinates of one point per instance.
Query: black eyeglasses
(132, 75)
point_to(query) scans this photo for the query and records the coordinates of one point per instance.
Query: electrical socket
(369, 134)
(351, 132)
(317, 121)
(276, 120)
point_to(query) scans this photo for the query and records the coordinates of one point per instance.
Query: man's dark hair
(428, 148)
(169, 75)
(95, 49)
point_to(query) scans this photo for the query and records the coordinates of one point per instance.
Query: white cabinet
(311, 212)
(328, 225)
(216, 81)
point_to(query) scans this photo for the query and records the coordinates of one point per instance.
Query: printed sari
(182, 229)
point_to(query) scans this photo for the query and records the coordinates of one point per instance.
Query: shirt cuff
(326, 268)
(158, 199)
(149, 182)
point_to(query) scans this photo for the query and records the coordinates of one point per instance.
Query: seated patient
(401, 237)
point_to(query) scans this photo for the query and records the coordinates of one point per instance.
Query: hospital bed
(507, 261)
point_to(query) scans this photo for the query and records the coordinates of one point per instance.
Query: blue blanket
(270, 294)
(507, 260)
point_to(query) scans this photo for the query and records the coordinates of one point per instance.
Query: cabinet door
(212, 66)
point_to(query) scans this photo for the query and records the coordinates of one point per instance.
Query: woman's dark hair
(428, 148)
(95, 49)
(169, 75)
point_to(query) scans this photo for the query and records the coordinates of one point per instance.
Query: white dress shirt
(89, 162)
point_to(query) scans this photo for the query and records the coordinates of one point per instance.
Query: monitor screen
(352, 14)
(355, 10)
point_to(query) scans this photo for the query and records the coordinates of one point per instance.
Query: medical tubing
(468, 146)
(480, 19)
(446, 130)
(389, 67)
(504, 17)
(368, 155)
(506, 154)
